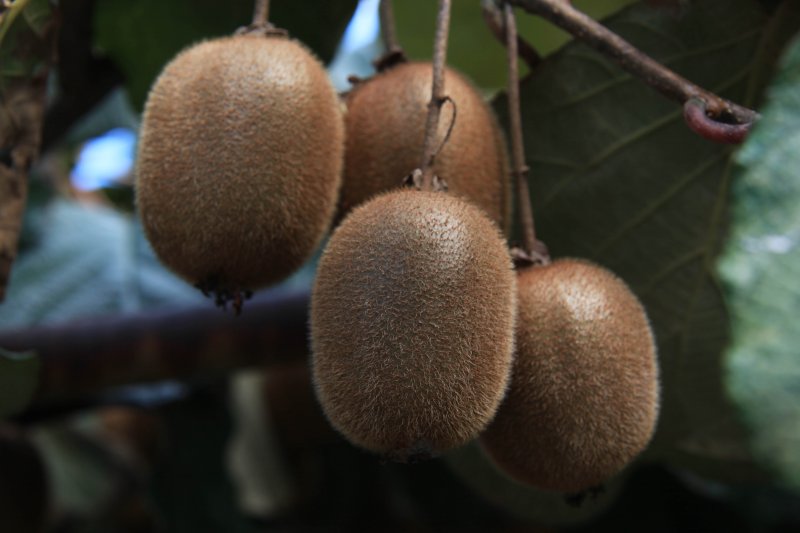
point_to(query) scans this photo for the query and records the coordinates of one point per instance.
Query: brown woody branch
(22, 101)
(520, 169)
(673, 86)
(84, 78)
(493, 17)
(88, 357)
(21, 112)
(438, 97)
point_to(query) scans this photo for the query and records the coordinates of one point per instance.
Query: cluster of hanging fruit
(424, 335)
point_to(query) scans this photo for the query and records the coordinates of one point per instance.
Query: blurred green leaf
(19, 376)
(618, 178)
(86, 261)
(83, 475)
(89, 260)
(38, 14)
(472, 48)
(24, 45)
(191, 486)
(7, 19)
(761, 271)
(536, 506)
(141, 36)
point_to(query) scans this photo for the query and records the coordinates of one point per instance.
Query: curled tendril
(696, 116)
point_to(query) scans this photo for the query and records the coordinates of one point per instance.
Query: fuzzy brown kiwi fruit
(239, 161)
(412, 324)
(584, 398)
(385, 129)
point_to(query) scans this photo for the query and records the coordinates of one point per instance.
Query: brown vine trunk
(21, 115)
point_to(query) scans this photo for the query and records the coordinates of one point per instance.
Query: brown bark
(84, 358)
(21, 114)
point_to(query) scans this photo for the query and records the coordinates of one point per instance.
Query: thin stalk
(388, 28)
(520, 169)
(438, 97)
(261, 13)
(493, 17)
(563, 14)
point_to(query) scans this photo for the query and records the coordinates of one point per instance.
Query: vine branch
(533, 250)
(388, 28)
(394, 53)
(520, 170)
(22, 100)
(438, 97)
(493, 17)
(84, 358)
(84, 79)
(670, 84)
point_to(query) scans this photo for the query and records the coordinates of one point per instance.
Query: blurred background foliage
(705, 234)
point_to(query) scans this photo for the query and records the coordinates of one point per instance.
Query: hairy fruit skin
(412, 324)
(584, 396)
(385, 129)
(239, 161)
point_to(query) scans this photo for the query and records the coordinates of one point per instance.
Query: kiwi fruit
(412, 324)
(584, 395)
(239, 161)
(385, 126)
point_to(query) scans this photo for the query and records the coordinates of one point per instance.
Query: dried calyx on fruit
(239, 162)
(412, 324)
(385, 129)
(583, 400)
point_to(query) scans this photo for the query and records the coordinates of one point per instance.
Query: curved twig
(696, 116)
(670, 84)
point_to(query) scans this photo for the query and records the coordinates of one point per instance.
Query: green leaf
(191, 486)
(472, 48)
(540, 507)
(19, 376)
(25, 45)
(760, 267)
(38, 14)
(86, 261)
(141, 36)
(83, 475)
(618, 178)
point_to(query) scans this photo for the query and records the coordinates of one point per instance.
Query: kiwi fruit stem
(394, 52)
(260, 24)
(261, 12)
(533, 251)
(438, 98)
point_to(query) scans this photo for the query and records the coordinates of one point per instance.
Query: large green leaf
(472, 48)
(142, 35)
(19, 375)
(86, 261)
(618, 178)
(761, 270)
